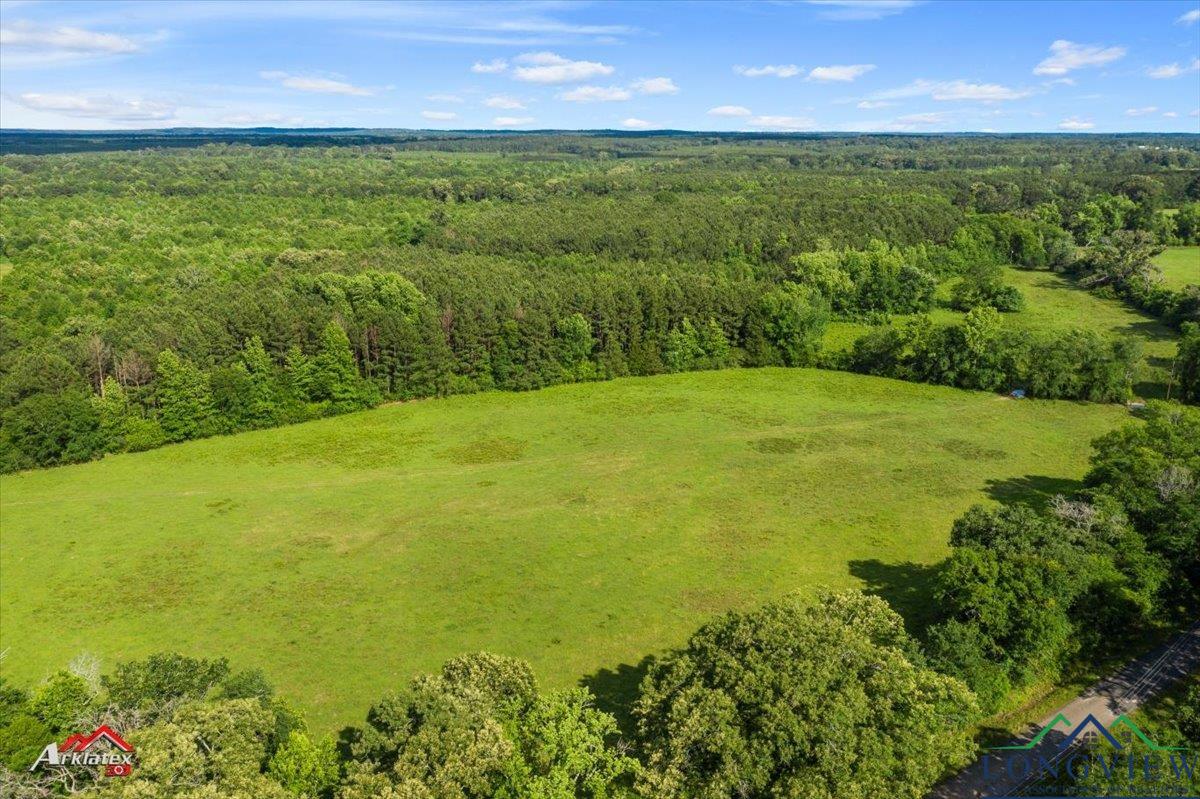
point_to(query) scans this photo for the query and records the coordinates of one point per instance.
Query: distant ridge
(30, 141)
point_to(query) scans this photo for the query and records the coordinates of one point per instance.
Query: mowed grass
(1180, 266)
(580, 527)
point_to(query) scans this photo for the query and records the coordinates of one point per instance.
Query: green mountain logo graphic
(1094, 724)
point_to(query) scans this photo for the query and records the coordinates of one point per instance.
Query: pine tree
(263, 404)
(335, 376)
(185, 403)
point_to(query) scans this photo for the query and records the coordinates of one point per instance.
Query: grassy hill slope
(581, 527)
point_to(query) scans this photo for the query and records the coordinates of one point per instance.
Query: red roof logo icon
(77, 742)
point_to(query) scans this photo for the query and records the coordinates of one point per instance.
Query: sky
(806, 65)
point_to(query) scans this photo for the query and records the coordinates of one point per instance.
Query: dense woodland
(159, 295)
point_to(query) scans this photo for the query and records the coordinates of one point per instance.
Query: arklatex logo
(117, 757)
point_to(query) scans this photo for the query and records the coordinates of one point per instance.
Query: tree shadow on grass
(1034, 490)
(1149, 329)
(616, 691)
(907, 587)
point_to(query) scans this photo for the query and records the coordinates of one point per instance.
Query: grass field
(1055, 302)
(1180, 266)
(581, 527)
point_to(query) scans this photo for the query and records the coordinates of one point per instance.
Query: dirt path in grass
(1120, 693)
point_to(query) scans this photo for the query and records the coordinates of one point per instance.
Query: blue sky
(892, 65)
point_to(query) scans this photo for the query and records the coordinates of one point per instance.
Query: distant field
(581, 527)
(1054, 302)
(1180, 266)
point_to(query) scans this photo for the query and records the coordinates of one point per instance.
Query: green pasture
(1180, 266)
(582, 527)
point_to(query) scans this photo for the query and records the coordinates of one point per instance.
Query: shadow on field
(1034, 490)
(616, 690)
(1150, 329)
(907, 587)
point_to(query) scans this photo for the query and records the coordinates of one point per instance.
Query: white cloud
(98, 107)
(443, 98)
(729, 111)
(1173, 70)
(553, 68)
(314, 85)
(1066, 56)
(489, 67)
(867, 104)
(858, 10)
(26, 44)
(257, 120)
(511, 122)
(1075, 123)
(1170, 114)
(439, 116)
(775, 70)
(1141, 112)
(637, 124)
(1189, 18)
(654, 86)
(595, 94)
(503, 101)
(930, 118)
(952, 90)
(985, 92)
(844, 73)
(782, 123)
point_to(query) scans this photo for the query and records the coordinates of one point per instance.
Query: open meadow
(580, 527)
(1180, 266)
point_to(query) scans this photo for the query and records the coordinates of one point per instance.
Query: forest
(160, 295)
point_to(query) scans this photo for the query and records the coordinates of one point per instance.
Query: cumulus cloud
(951, 90)
(1075, 123)
(637, 124)
(315, 85)
(860, 10)
(1189, 18)
(511, 122)
(774, 70)
(655, 86)
(443, 98)
(98, 107)
(1170, 114)
(595, 94)
(489, 67)
(729, 111)
(844, 73)
(1173, 70)
(1066, 56)
(439, 116)
(504, 101)
(26, 44)
(553, 68)
(1141, 112)
(782, 123)
(867, 104)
